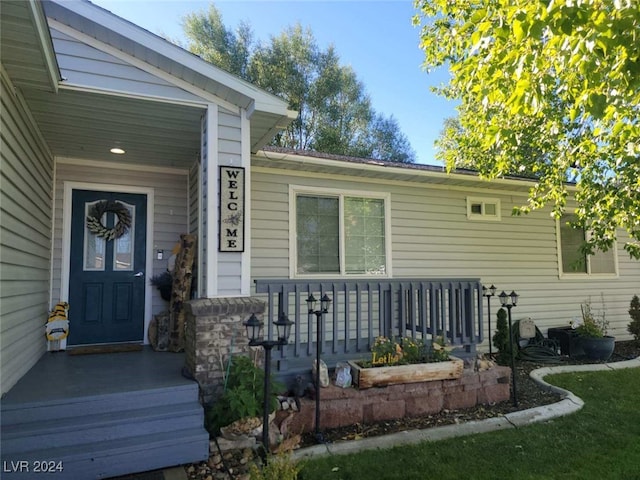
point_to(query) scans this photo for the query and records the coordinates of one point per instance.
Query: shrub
(243, 397)
(501, 338)
(634, 312)
(278, 467)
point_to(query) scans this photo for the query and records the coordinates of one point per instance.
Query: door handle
(139, 274)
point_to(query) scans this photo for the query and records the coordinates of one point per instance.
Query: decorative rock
(226, 445)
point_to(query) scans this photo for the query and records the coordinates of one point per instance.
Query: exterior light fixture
(489, 292)
(509, 301)
(324, 308)
(117, 151)
(254, 333)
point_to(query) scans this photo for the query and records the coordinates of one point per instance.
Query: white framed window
(479, 208)
(574, 263)
(334, 232)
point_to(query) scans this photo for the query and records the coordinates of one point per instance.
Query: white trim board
(122, 166)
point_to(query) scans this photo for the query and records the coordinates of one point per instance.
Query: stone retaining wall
(347, 406)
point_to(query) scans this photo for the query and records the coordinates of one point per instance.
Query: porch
(102, 415)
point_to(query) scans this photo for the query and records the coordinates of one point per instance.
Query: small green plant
(243, 397)
(634, 312)
(501, 338)
(405, 351)
(439, 351)
(594, 324)
(278, 467)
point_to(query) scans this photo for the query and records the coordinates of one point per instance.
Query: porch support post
(215, 334)
(225, 147)
(210, 192)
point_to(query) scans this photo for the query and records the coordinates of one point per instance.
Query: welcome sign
(232, 209)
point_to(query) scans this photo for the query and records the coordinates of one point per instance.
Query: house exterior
(439, 225)
(78, 81)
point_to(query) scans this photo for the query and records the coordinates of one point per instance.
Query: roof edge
(408, 169)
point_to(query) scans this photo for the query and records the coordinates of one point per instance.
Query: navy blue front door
(107, 270)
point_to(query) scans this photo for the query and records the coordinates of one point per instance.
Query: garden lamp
(254, 333)
(508, 302)
(324, 308)
(489, 292)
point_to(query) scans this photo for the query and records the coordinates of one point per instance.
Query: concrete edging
(569, 404)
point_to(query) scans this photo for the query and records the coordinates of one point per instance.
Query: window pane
(602, 262)
(317, 234)
(476, 208)
(490, 209)
(570, 240)
(364, 231)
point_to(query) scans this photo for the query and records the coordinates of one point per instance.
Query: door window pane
(123, 253)
(94, 246)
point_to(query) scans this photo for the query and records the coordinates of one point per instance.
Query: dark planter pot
(598, 348)
(165, 292)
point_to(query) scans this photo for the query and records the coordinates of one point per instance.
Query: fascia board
(48, 52)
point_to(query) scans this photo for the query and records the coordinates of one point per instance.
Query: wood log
(181, 292)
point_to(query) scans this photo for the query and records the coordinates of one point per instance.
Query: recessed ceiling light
(117, 150)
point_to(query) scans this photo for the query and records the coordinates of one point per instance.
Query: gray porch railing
(361, 310)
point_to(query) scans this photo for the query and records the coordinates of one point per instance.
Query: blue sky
(375, 37)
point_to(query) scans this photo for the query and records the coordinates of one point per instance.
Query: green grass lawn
(601, 441)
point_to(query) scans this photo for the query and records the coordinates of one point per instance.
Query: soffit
(25, 47)
(86, 125)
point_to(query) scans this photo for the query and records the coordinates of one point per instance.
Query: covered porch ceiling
(87, 125)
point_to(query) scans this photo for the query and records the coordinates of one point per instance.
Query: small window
(483, 208)
(573, 261)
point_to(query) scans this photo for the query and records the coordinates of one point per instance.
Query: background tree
(334, 111)
(550, 88)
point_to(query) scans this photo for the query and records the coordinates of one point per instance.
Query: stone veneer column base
(214, 332)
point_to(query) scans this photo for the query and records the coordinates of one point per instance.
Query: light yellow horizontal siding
(433, 238)
(25, 238)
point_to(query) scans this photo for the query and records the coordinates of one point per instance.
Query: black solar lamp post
(324, 308)
(489, 292)
(508, 302)
(254, 333)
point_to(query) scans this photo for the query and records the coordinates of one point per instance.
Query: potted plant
(597, 345)
(164, 283)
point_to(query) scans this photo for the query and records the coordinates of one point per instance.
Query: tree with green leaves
(334, 111)
(551, 89)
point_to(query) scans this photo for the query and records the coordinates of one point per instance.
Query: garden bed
(369, 377)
